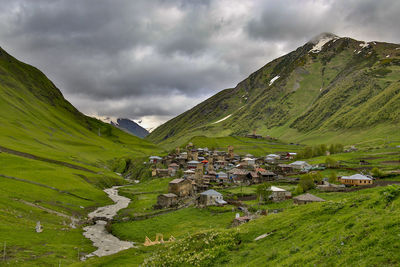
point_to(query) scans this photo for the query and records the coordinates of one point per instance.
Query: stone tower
(210, 167)
(231, 154)
(198, 176)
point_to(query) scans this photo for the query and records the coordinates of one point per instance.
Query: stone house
(155, 159)
(249, 161)
(174, 166)
(167, 201)
(180, 187)
(284, 168)
(211, 198)
(265, 176)
(240, 220)
(238, 175)
(161, 173)
(222, 177)
(301, 166)
(278, 194)
(192, 164)
(306, 198)
(220, 164)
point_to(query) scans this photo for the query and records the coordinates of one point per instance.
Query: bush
(298, 191)
(390, 193)
(331, 163)
(306, 183)
(201, 249)
(333, 177)
(377, 172)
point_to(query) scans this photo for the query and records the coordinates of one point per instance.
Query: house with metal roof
(356, 179)
(211, 198)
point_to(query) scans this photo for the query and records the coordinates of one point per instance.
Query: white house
(301, 165)
(211, 197)
(279, 194)
(222, 177)
(250, 161)
(155, 159)
(193, 164)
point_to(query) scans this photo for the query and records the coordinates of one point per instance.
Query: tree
(263, 192)
(299, 190)
(333, 177)
(323, 148)
(376, 172)
(308, 152)
(306, 182)
(179, 173)
(331, 163)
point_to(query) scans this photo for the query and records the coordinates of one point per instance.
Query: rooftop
(277, 189)
(356, 177)
(177, 181)
(211, 192)
(309, 197)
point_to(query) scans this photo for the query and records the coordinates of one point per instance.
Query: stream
(105, 242)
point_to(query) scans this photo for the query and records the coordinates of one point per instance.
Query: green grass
(335, 96)
(177, 223)
(243, 145)
(350, 229)
(37, 120)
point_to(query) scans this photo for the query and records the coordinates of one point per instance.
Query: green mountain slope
(347, 89)
(54, 163)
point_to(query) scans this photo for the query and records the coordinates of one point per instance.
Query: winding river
(105, 242)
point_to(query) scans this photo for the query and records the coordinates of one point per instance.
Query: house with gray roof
(211, 198)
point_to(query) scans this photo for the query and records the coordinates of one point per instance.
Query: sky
(150, 60)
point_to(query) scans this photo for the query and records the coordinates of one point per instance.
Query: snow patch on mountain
(227, 117)
(273, 80)
(364, 45)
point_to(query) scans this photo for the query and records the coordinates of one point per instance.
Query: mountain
(54, 164)
(131, 127)
(34, 116)
(331, 89)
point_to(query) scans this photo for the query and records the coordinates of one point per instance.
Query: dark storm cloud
(154, 59)
(290, 20)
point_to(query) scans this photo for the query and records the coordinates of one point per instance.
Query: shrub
(376, 172)
(331, 163)
(333, 177)
(201, 249)
(390, 193)
(306, 182)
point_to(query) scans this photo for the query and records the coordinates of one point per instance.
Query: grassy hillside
(348, 89)
(54, 163)
(349, 229)
(243, 145)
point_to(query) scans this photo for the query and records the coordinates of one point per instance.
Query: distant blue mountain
(131, 127)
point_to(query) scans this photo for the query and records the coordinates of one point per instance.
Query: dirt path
(105, 242)
(43, 185)
(74, 221)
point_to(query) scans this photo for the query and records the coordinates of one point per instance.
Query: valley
(299, 164)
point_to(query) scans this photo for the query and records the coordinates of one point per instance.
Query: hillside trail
(106, 243)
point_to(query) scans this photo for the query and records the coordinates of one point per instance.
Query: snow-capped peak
(320, 40)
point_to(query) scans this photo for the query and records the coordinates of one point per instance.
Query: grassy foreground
(351, 229)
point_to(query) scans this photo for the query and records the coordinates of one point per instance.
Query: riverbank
(106, 243)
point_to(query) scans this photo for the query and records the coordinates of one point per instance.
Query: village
(199, 174)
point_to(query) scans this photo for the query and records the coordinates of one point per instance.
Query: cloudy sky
(151, 60)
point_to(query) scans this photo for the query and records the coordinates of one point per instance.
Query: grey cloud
(156, 58)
